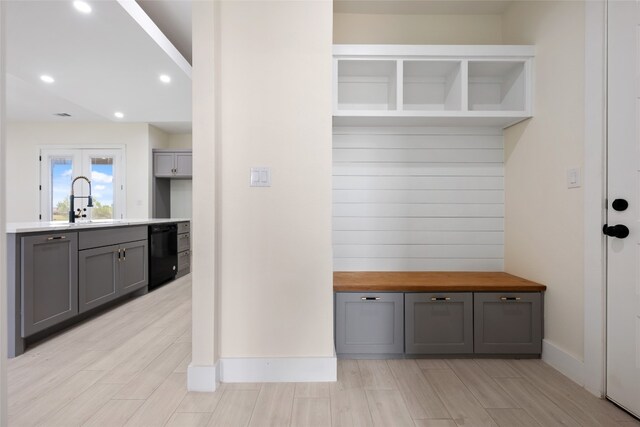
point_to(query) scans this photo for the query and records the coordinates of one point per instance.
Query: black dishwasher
(163, 253)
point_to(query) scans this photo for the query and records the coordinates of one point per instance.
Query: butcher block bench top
(431, 281)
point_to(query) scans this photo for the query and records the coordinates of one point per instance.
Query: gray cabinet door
(508, 323)
(98, 281)
(49, 280)
(163, 164)
(184, 165)
(133, 266)
(439, 323)
(369, 323)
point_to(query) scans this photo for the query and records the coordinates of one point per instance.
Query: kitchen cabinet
(49, 280)
(369, 323)
(184, 249)
(508, 323)
(439, 323)
(172, 164)
(113, 266)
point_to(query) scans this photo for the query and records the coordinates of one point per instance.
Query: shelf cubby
(497, 86)
(431, 85)
(367, 85)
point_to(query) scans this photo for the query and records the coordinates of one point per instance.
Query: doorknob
(620, 205)
(620, 231)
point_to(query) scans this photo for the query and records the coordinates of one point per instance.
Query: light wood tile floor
(128, 367)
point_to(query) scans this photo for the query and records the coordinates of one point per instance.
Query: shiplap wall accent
(418, 199)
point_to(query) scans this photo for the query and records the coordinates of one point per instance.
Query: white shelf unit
(438, 85)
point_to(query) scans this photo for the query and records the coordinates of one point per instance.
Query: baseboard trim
(279, 369)
(564, 362)
(203, 378)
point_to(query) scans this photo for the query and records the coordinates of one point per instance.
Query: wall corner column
(202, 372)
(3, 218)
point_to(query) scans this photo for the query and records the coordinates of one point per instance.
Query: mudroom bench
(422, 314)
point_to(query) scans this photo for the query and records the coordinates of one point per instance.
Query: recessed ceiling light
(118, 114)
(165, 79)
(82, 6)
(47, 79)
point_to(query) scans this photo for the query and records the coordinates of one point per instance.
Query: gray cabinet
(98, 271)
(172, 164)
(49, 280)
(508, 323)
(133, 266)
(111, 265)
(184, 249)
(369, 323)
(439, 323)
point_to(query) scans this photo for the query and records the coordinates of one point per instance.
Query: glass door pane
(102, 182)
(61, 174)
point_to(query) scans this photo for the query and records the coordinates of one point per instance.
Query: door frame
(595, 194)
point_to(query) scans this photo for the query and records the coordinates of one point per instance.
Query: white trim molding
(594, 197)
(203, 378)
(278, 369)
(564, 362)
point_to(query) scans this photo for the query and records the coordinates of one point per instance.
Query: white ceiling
(173, 17)
(103, 62)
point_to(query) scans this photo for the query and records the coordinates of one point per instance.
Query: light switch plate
(260, 177)
(574, 178)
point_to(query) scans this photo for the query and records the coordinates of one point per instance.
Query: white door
(623, 253)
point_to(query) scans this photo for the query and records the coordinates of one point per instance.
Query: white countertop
(36, 226)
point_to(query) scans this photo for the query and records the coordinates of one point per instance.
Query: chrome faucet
(72, 214)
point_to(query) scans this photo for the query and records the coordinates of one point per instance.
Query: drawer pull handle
(124, 254)
(509, 298)
(56, 238)
(370, 298)
(440, 299)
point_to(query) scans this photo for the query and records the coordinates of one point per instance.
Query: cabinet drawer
(184, 242)
(508, 323)
(111, 236)
(438, 323)
(369, 323)
(184, 260)
(184, 227)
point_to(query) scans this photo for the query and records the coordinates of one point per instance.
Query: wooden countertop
(431, 281)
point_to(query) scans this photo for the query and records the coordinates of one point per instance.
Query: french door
(103, 167)
(623, 210)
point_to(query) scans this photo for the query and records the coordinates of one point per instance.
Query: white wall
(181, 198)
(180, 141)
(275, 98)
(24, 140)
(418, 199)
(416, 29)
(544, 238)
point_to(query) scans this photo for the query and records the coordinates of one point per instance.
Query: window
(102, 166)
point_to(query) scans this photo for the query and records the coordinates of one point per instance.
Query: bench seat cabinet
(369, 323)
(110, 265)
(49, 280)
(508, 323)
(439, 323)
